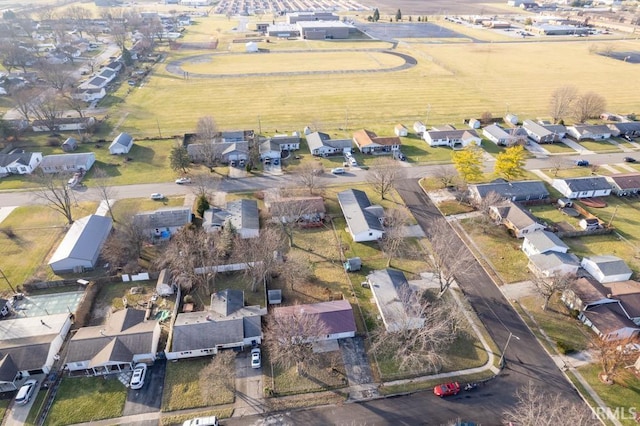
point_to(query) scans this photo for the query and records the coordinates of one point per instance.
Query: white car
(137, 378)
(26, 392)
(157, 196)
(338, 171)
(183, 180)
(256, 361)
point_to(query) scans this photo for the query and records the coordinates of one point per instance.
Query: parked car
(401, 157)
(256, 361)
(627, 138)
(157, 196)
(183, 180)
(137, 378)
(447, 389)
(629, 159)
(338, 171)
(202, 421)
(582, 163)
(26, 391)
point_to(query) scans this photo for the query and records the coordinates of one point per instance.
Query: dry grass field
(451, 82)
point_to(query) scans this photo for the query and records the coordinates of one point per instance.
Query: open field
(443, 74)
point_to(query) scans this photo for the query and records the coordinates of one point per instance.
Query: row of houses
(24, 163)
(95, 88)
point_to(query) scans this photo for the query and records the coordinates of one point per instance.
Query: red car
(447, 389)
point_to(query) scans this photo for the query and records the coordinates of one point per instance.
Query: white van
(202, 421)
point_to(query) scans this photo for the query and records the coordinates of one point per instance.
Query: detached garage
(80, 248)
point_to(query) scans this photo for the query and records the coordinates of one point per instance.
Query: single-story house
(115, 66)
(124, 340)
(108, 74)
(364, 220)
(586, 131)
(162, 223)
(80, 247)
(515, 191)
(542, 242)
(400, 130)
(582, 187)
(543, 133)
(63, 124)
(68, 163)
(336, 315)
(516, 218)
(628, 293)
(321, 145)
(391, 291)
(19, 163)
(606, 269)
(121, 144)
(610, 322)
(96, 82)
(370, 143)
(625, 183)
(89, 94)
(296, 209)
(69, 145)
(273, 147)
(242, 215)
(454, 139)
(584, 294)
(498, 135)
(553, 263)
(626, 128)
(419, 127)
(29, 346)
(165, 286)
(225, 152)
(226, 324)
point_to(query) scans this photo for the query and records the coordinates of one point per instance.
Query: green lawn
(557, 148)
(623, 395)
(85, 399)
(500, 248)
(130, 206)
(4, 403)
(329, 374)
(182, 387)
(599, 146)
(552, 216)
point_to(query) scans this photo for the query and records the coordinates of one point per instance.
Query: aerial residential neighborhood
(241, 212)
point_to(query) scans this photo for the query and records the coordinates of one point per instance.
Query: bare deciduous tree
(48, 110)
(204, 184)
(289, 211)
(106, 192)
(561, 101)
(446, 176)
(124, 245)
(394, 240)
(207, 129)
(557, 164)
(421, 334)
(308, 174)
(259, 255)
(384, 174)
(589, 105)
(446, 257)
(536, 407)
(490, 199)
(219, 373)
(290, 339)
(54, 191)
(23, 102)
(547, 287)
(612, 355)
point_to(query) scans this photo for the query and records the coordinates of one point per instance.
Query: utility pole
(8, 282)
(428, 111)
(613, 216)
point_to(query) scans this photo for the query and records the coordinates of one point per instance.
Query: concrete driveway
(17, 414)
(358, 369)
(249, 386)
(149, 398)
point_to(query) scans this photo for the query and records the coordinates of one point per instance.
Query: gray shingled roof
(167, 217)
(545, 240)
(124, 139)
(244, 214)
(337, 315)
(355, 207)
(23, 158)
(317, 140)
(532, 189)
(226, 302)
(84, 239)
(589, 183)
(66, 160)
(553, 259)
(609, 318)
(516, 214)
(610, 265)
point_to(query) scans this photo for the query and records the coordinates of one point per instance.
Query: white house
(454, 139)
(364, 220)
(392, 294)
(586, 131)
(123, 341)
(321, 145)
(419, 127)
(67, 163)
(64, 124)
(542, 242)
(583, 187)
(498, 135)
(337, 317)
(606, 269)
(515, 218)
(80, 247)
(121, 144)
(553, 263)
(19, 164)
(89, 94)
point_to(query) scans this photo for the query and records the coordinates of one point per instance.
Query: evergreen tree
(376, 15)
(398, 16)
(179, 159)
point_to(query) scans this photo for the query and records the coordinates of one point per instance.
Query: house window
(370, 234)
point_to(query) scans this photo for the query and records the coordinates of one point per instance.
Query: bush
(83, 312)
(202, 205)
(574, 313)
(53, 141)
(564, 348)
